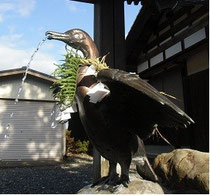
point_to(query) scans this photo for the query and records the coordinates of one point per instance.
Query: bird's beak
(57, 36)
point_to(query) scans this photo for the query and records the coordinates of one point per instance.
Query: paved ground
(63, 178)
(67, 177)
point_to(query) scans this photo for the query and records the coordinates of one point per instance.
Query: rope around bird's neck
(98, 63)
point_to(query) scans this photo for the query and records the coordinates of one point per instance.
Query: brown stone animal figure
(118, 110)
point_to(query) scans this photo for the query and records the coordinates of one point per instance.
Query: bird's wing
(138, 102)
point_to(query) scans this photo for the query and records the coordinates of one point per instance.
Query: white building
(27, 129)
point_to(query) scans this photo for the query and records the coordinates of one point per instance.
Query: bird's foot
(124, 180)
(110, 180)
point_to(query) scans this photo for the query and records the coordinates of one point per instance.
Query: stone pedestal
(184, 169)
(136, 186)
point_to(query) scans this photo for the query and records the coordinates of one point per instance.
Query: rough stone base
(136, 186)
(184, 169)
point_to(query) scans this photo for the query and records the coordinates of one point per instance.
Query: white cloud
(11, 28)
(24, 7)
(19, 7)
(13, 57)
(1, 18)
(75, 7)
(72, 6)
(42, 62)
(5, 6)
(10, 40)
(49, 46)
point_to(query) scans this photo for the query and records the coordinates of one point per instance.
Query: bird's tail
(143, 166)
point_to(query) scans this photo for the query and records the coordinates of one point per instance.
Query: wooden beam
(178, 27)
(136, 2)
(175, 60)
(195, 27)
(174, 17)
(171, 4)
(165, 4)
(138, 39)
(136, 28)
(136, 31)
(192, 2)
(142, 45)
(129, 2)
(109, 32)
(85, 1)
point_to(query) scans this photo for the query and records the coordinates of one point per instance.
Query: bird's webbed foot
(110, 180)
(124, 180)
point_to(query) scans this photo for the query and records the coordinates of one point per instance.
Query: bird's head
(77, 39)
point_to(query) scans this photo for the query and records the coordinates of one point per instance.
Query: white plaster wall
(143, 66)
(174, 49)
(33, 88)
(30, 135)
(195, 38)
(156, 59)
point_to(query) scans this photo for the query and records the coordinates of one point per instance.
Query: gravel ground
(65, 178)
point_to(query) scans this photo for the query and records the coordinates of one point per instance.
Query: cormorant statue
(126, 112)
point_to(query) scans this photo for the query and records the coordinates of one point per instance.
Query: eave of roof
(32, 72)
(136, 2)
(147, 22)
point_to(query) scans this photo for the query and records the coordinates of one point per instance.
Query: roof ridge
(32, 72)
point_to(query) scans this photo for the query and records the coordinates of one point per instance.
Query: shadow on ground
(64, 178)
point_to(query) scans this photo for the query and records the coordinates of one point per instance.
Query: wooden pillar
(109, 36)
(109, 31)
(119, 35)
(96, 165)
(100, 166)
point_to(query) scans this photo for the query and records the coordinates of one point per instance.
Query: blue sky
(23, 24)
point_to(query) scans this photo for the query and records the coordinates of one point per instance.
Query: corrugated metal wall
(29, 135)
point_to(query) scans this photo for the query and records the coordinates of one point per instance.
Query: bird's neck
(89, 48)
(86, 78)
(84, 82)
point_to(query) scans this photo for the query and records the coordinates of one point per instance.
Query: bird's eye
(78, 36)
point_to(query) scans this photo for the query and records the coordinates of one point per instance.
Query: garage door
(29, 135)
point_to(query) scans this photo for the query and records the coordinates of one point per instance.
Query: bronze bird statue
(127, 113)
